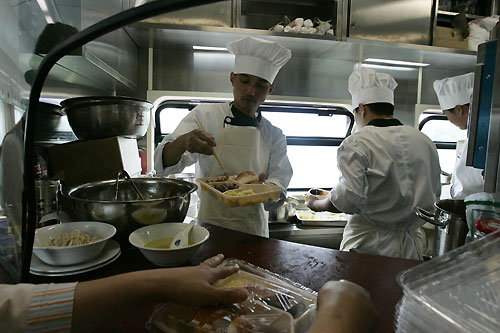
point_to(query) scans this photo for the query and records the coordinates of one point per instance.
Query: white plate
(109, 254)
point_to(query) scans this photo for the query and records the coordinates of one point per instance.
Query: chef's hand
(313, 201)
(346, 307)
(198, 141)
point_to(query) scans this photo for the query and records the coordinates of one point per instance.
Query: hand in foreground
(194, 285)
(198, 141)
(346, 307)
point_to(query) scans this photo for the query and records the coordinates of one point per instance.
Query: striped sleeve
(51, 308)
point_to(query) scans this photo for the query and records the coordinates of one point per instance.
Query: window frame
(439, 144)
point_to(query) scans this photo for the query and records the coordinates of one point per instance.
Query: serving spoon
(181, 239)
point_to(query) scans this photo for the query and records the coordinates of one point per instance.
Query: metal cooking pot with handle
(450, 224)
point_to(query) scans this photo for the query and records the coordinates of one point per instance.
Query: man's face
(457, 117)
(249, 92)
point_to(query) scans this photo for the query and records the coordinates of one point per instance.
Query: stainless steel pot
(99, 117)
(165, 200)
(450, 224)
(283, 212)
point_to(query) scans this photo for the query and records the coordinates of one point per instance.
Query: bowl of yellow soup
(154, 243)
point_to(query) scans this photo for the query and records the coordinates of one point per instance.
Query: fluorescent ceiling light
(397, 62)
(394, 68)
(45, 11)
(209, 48)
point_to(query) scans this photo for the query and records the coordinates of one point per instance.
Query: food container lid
(274, 304)
(487, 225)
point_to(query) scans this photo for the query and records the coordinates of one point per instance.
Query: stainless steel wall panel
(407, 21)
(217, 14)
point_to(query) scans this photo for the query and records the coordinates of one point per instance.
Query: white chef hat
(258, 57)
(368, 86)
(453, 91)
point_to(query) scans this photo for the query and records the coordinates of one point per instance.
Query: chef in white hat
(387, 170)
(454, 95)
(241, 137)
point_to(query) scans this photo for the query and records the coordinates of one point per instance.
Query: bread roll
(247, 177)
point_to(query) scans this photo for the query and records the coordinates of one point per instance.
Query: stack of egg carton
(455, 292)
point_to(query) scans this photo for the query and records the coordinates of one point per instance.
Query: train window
(322, 129)
(445, 135)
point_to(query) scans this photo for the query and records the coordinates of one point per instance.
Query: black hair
(52, 35)
(381, 109)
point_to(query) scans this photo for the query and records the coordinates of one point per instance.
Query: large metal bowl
(99, 117)
(165, 200)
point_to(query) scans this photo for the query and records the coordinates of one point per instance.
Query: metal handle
(427, 216)
(126, 176)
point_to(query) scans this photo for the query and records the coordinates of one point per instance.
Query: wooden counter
(309, 265)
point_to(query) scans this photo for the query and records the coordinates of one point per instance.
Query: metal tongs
(126, 176)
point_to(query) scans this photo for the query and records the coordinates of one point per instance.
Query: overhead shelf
(150, 35)
(83, 71)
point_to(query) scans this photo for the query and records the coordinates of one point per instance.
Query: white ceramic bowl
(71, 255)
(168, 257)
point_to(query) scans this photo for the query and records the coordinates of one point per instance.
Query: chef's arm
(100, 302)
(321, 205)
(195, 141)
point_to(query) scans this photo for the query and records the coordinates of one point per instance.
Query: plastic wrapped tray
(275, 304)
(456, 292)
(309, 217)
(262, 192)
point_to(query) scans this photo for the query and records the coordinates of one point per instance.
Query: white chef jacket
(386, 172)
(212, 117)
(466, 180)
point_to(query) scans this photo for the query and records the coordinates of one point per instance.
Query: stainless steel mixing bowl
(99, 117)
(165, 200)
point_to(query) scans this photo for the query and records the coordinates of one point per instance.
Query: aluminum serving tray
(263, 192)
(311, 218)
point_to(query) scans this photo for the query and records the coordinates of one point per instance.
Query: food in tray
(215, 179)
(247, 177)
(239, 193)
(273, 305)
(226, 186)
(74, 238)
(308, 214)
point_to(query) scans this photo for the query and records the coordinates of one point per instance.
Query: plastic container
(275, 304)
(262, 192)
(456, 292)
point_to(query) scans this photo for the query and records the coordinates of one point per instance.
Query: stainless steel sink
(329, 237)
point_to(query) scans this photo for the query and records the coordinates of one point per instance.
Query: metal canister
(47, 201)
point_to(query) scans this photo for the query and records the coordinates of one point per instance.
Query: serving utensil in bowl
(99, 117)
(182, 237)
(165, 200)
(71, 255)
(153, 241)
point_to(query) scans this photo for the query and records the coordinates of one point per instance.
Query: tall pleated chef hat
(368, 86)
(258, 57)
(453, 91)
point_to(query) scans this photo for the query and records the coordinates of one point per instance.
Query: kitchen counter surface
(309, 265)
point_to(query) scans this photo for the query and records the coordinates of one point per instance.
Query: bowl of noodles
(71, 243)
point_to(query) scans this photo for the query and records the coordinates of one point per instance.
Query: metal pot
(283, 212)
(165, 200)
(99, 117)
(450, 223)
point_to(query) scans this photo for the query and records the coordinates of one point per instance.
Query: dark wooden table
(309, 265)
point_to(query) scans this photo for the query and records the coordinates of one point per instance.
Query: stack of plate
(110, 253)
(456, 292)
